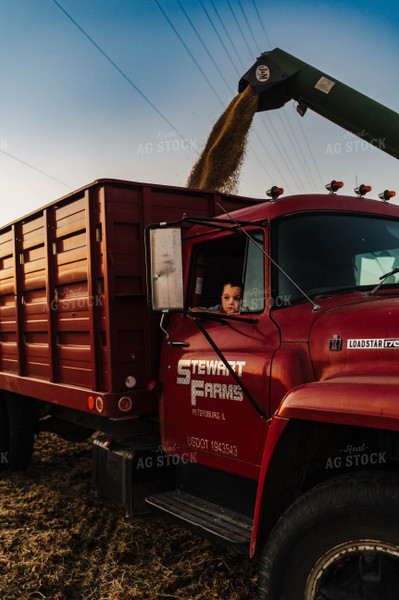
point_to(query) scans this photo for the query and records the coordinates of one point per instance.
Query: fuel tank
(359, 340)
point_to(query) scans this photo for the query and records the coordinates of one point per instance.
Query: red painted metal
(285, 354)
(368, 401)
(73, 308)
(276, 428)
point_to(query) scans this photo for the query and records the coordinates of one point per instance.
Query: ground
(59, 542)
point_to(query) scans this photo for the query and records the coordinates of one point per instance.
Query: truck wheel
(339, 541)
(17, 431)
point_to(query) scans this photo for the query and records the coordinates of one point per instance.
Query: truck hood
(357, 340)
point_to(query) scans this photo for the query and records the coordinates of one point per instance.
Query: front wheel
(339, 541)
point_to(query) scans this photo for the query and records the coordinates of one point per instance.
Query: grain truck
(272, 431)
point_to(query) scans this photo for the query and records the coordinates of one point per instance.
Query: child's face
(231, 298)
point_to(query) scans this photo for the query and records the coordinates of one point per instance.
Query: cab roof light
(334, 186)
(274, 192)
(387, 195)
(362, 190)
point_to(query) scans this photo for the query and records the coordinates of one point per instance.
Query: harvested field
(57, 541)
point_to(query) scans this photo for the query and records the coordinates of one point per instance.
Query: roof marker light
(387, 195)
(334, 186)
(362, 190)
(274, 192)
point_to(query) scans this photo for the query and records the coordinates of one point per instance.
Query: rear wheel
(340, 541)
(17, 431)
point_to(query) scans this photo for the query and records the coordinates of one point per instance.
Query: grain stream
(218, 168)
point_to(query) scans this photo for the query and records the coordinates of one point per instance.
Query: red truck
(273, 431)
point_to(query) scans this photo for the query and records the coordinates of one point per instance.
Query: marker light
(387, 195)
(125, 403)
(275, 192)
(130, 381)
(99, 404)
(90, 402)
(334, 186)
(362, 190)
(301, 108)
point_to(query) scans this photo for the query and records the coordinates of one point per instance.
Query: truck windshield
(332, 253)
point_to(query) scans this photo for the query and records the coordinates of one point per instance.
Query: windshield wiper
(382, 279)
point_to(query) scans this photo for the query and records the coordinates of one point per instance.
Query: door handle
(179, 344)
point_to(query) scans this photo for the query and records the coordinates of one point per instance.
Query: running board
(229, 529)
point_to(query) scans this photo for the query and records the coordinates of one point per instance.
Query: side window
(231, 258)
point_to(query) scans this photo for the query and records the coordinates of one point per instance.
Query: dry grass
(57, 541)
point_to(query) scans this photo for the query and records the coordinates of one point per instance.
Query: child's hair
(233, 283)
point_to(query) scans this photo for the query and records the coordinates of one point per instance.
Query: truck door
(207, 417)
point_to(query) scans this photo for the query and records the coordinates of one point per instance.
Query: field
(59, 542)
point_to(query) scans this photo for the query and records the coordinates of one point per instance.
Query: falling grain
(218, 167)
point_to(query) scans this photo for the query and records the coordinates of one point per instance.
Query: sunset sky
(130, 89)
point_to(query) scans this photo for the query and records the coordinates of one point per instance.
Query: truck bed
(74, 323)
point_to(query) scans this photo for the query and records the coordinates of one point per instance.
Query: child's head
(231, 297)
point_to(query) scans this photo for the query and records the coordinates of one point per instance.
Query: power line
(120, 71)
(204, 46)
(261, 23)
(239, 28)
(219, 37)
(189, 52)
(288, 120)
(249, 26)
(36, 169)
(227, 34)
(278, 146)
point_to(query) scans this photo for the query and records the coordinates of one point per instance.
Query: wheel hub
(355, 570)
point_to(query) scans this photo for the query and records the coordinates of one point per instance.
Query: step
(228, 528)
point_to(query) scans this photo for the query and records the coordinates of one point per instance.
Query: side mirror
(164, 269)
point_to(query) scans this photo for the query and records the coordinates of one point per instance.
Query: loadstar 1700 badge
(370, 344)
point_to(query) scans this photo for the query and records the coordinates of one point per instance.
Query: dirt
(59, 542)
(219, 165)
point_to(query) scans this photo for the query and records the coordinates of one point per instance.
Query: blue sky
(68, 116)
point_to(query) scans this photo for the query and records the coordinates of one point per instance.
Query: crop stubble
(57, 541)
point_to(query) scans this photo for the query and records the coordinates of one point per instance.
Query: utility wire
(189, 52)
(227, 34)
(204, 46)
(120, 71)
(23, 162)
(219, 37)
(261, 23)
(288, 119)
(239, 28)
(299, 149)
(267, 124)
(249, 26)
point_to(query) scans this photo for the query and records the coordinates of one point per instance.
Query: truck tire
(339, 541)
(17, 431)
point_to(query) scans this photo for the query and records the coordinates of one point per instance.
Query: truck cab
(300, 387)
